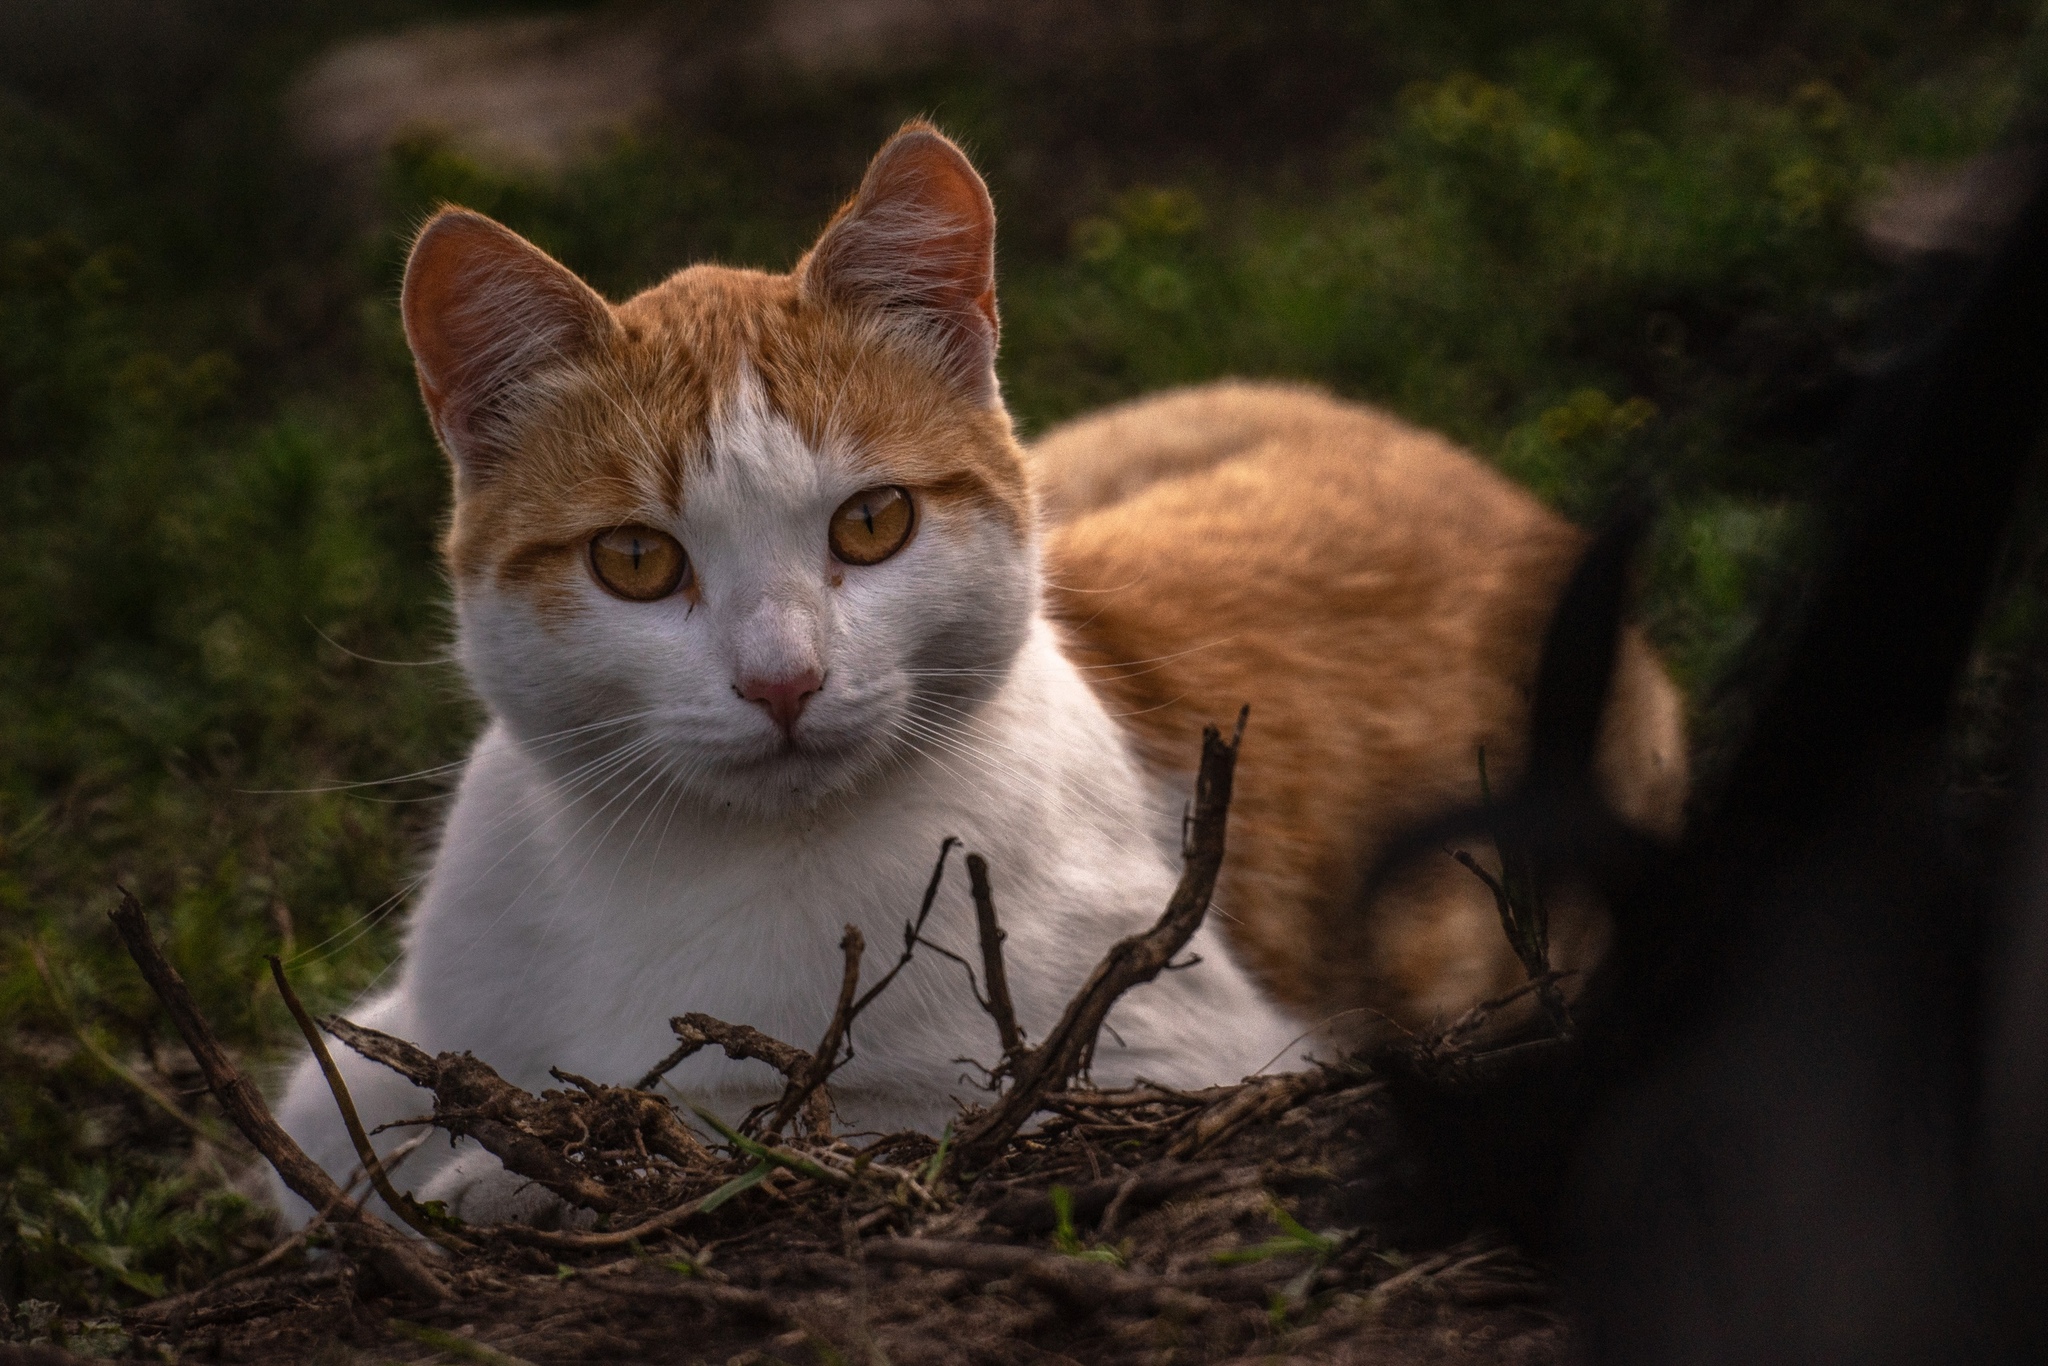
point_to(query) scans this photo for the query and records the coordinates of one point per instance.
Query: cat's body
(1380, 597)
(748, 572)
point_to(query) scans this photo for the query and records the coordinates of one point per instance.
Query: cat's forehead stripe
(755, 450)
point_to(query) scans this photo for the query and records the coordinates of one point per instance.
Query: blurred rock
(528, 93)
(829, 37)
(534, 93)
(1960, 208)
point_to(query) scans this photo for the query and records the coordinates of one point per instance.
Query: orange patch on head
(611, 444)
(844, 386)
(915, 248)
(874, 349)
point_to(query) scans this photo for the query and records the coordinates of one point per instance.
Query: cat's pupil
(867, 514)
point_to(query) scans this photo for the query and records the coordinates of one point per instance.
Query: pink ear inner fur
(485, 311)
(916, 247)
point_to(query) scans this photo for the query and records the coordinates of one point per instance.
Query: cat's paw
(474, 1187)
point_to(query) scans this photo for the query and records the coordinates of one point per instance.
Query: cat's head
(751, 536)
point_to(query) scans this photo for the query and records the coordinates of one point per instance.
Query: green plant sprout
(1068, 1242)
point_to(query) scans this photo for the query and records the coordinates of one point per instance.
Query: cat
(749, 572)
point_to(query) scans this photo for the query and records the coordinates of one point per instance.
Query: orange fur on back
(1379, 598)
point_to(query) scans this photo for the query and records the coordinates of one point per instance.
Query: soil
(1280, 1221)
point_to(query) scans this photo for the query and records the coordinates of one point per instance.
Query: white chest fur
(562, 929)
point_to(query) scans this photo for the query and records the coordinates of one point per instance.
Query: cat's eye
(638, 562)
(873, 525)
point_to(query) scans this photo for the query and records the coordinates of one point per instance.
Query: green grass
(1581, 248)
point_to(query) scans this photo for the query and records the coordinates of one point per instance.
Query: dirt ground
(1280, 1221)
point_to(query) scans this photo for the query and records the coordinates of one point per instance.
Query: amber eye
(638, 562)
(873, 525)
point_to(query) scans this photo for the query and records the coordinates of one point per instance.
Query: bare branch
(1530, 945)
(697, 1031)
(1140, 958)
(396, 1200)
(999, 1006)
(807, 1073)
(471, 1099)
(387, 1250)
(668, 1064)
(596, 1242)
(810, 1076)
(913, 933)
(1254, 1100)
(806, 1085)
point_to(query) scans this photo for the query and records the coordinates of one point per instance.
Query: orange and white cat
(752, 575)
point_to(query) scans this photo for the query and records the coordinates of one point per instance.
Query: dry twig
(1253, 1100)
(806, 1073)
(175, 1305)
(1518, 900)
(807, 1083)
(397, 1201)
(697, 1031)
(386, 1250)
(998, 1003)
(636, 1233)
(1067, 1051)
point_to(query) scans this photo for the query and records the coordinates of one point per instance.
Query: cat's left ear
(916, 247)
(486, 312)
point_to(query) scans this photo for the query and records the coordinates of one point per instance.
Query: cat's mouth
(801, 770)
(828, 750)
(819, 751)
(809, 747)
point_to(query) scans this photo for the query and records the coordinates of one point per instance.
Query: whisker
(1111, 819)
(1130, 583)
(639, 786)
(541, 743)
(631, 753)
(372, 659)
(586, 774)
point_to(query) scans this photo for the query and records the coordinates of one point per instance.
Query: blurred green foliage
(1606, 246)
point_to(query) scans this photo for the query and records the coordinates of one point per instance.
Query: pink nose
(783, 697)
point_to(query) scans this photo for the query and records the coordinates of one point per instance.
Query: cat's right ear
(485, 311)
(915, 248)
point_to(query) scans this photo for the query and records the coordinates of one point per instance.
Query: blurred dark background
(1611, 244)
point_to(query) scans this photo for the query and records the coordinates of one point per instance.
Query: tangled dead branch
(1517, 899)
(997, 1002)
(617, 1150)
(397, 1202)
(805, 1074)
(532, 1135)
